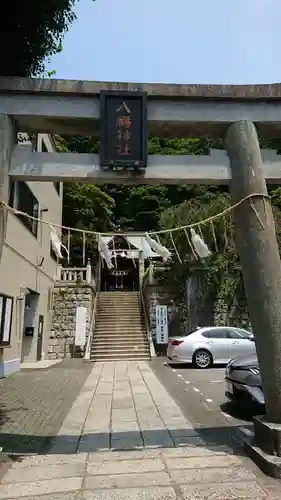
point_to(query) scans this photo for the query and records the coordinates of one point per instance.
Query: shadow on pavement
(240, 413)
(186, 366)
(215, 439)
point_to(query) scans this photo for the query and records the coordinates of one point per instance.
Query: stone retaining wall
(66, 299)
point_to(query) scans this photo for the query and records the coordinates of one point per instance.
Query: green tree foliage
(223, 266)
(35, 30)
(86, 207)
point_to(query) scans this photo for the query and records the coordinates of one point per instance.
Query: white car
(211, 345)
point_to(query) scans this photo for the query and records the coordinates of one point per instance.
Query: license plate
(229, 387)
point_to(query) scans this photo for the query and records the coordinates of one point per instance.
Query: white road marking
(173, 370)
(195, 389)
(187, 382)
(205, 405)
(179, 375)
(209, 400)
(216, 381)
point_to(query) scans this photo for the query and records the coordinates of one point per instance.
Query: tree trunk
(199, 303)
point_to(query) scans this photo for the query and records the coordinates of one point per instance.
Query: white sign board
(80, 328)
(7, 320)
(161, 325)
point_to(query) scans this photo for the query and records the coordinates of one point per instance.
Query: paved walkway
(33, 404)
(125, 438)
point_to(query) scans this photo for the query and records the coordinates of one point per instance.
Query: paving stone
(36, 402)
(124, 403)
(63, 440)
(44, 472)
(94, 442)
(18, 490)
(126, 444)
(107, 456)
(125, 466)
(179, 433)
(185, 440)
(211, 474)
(165, 493)
(69, 495)
(44, 460)
(216, 491)
(127, 480)
(127, 415)
(201, 462)
(197, 450)
(157, 438)
(63, 447)
(125, 426)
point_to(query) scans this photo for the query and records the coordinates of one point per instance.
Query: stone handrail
(87, 354)
(75, 274)
(146, 321)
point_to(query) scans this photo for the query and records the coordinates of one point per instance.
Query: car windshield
(244, 334)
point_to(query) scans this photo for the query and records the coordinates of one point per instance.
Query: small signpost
(123, 129)
(161, 325)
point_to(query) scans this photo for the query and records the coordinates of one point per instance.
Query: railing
(76, 275)
(94, 314)
(146, 320)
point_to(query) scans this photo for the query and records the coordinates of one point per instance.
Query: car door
(240, 344)
(217, 342)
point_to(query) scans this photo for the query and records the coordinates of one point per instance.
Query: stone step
(119, 294)
(141, 344)
(120, 338)
(118, 300)
(118, 307)
(113, 325)
(119, 297)
(119, 314)
(120, 319)
(109, 320)
(101, 350)
(114, 357)
(121, 335)
(116, 324)
(121, 332)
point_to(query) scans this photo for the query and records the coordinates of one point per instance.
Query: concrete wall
(66, 299)
(19, 270)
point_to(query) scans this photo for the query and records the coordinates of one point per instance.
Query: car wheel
(202, 358)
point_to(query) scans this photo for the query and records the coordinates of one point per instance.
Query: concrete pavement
(126, 438)
(34, 403)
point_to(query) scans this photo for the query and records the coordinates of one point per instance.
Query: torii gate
(227, 112)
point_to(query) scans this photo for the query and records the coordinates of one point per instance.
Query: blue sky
(173, 41)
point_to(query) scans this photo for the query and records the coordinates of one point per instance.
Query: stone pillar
(259, 256)
(7, 142)
(88, 272)
(141, 268)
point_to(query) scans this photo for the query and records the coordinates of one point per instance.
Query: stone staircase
(119, 330)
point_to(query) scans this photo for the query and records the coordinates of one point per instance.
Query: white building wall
(21, 269)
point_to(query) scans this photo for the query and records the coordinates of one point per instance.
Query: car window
(218, 333)
(243, 333)
(233, 334)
